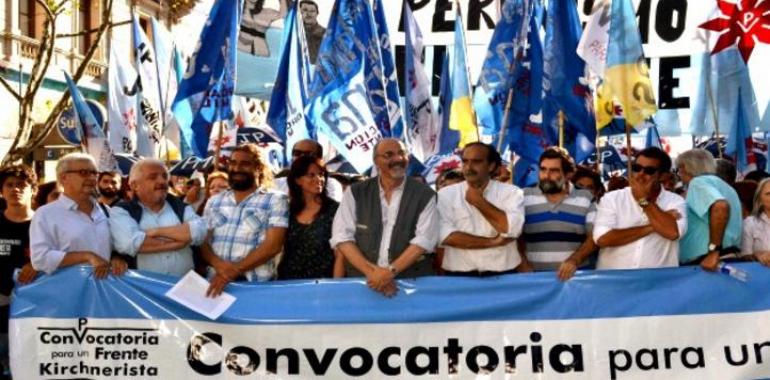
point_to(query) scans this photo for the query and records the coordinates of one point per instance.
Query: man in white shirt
(480, 218)
(310, 148)
(640, 226)
(385, 225)
(74, 229)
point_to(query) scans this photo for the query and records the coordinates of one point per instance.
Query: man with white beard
(559, 218)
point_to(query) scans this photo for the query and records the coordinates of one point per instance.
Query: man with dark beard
(108, 186)
(247, 224)
(559, 218)
(385, 226)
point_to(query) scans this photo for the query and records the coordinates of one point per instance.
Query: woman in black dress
(307, 253)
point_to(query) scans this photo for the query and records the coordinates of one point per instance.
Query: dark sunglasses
(649, 170)
(297, 153)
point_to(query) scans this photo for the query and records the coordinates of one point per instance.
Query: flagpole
(506, 113)
(218, 142)
(561, 129)
(628, 148)
(598, 154)
(713, 107)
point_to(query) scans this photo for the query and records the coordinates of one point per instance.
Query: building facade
(22, 30)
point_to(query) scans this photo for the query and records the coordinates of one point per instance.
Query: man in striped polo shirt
(559, 218)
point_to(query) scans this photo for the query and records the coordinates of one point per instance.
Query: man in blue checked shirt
(247, 224)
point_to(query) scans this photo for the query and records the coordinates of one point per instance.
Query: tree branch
(53, 117)
(60, 7)
(26, 141)
(10, 89)
(91, 31)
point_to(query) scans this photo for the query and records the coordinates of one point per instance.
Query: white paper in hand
(190, 291)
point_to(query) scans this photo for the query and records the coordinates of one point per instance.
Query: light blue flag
(286, 114)
(653, 138)
(724, 77)
(208, 83)
(341, 112)
(496, 80)
(182, 110)
(740, 145)
(351, 37)
(96, 142)
(448, 139)
(565, 86)
(389, 71)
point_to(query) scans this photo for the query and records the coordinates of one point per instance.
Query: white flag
(422, 123)
(165, 48)
(596, 38)
(148, 98)
(121, 107)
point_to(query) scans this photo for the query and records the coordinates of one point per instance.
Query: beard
(108, 193)
(551, 187)
(244, 181)
(398, 170)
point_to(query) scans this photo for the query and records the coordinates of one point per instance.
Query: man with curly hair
(247, 224)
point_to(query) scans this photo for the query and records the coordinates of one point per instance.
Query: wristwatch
(715, 248)
(392, 269)
(643, 202)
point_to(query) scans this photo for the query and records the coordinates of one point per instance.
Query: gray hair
(138, 168)
(758, 209)
(697, 162)
(64, 163)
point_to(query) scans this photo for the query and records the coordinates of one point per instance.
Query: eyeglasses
(391, 155)
(649, 170)
(298, 153)
(84, 172)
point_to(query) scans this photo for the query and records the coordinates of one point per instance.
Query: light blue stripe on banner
(74, 293)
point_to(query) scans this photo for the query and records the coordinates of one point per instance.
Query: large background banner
(679, 323)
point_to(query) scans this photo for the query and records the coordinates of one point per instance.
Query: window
(25, 17)
(31, 18)
(86, 10)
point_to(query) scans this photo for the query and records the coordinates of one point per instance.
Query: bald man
(386, 226)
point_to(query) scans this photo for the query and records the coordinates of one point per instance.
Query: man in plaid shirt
(247, 224)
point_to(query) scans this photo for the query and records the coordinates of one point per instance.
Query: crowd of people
(241, 224)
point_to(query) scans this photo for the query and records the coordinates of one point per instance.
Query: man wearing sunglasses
(310, 148)
(74, 229)
(639, 226)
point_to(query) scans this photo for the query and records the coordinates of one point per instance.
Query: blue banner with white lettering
(680, 323)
